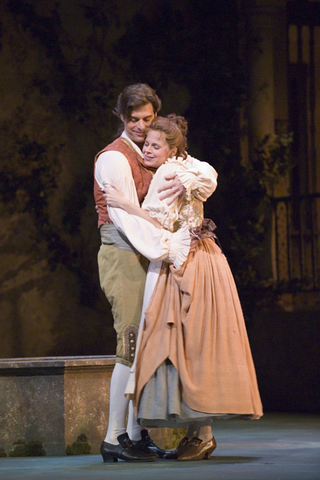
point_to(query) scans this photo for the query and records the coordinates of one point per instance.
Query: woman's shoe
(181, 448)
(124, 451)
(198, 450)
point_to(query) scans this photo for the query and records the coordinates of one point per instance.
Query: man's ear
(122, 118)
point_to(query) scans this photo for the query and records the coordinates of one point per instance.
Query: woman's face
(156, 150)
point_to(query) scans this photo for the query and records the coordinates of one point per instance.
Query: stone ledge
(52, 365)
(56, 399)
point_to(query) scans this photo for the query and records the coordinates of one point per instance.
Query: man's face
(135, 126)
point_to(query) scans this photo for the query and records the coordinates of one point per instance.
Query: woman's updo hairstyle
(174, 128)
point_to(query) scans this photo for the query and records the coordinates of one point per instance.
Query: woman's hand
(114, 196)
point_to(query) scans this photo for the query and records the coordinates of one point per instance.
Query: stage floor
(277, 447)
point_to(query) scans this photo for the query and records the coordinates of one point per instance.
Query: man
(122, 270)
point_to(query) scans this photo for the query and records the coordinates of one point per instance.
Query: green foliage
(249, 214)
(272, 162)
(48, 32)
(19, 449)
(28, 177)
(79, 447)
(176, 435)
(30, 449)
(79, 73)
(35, 449)
(3, 453)
(31, 176)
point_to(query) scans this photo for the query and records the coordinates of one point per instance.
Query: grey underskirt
(161, 404)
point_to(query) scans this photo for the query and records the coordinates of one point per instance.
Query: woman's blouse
(190, 212)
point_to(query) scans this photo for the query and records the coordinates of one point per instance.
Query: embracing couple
(183, 355)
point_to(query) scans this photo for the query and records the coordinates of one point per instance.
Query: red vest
(141, 177)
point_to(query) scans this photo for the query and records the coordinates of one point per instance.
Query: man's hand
(173, 189)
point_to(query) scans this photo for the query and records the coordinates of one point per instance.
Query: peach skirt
(194, 327)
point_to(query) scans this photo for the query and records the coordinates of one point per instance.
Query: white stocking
(118, 403)
(133, 428)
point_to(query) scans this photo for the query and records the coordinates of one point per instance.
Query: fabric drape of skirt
(194, 359)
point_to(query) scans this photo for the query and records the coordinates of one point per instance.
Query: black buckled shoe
(146, 445)
(124, 451)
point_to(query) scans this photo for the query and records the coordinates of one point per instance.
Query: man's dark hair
(135, 96)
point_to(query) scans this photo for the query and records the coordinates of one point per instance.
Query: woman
(194, 361)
